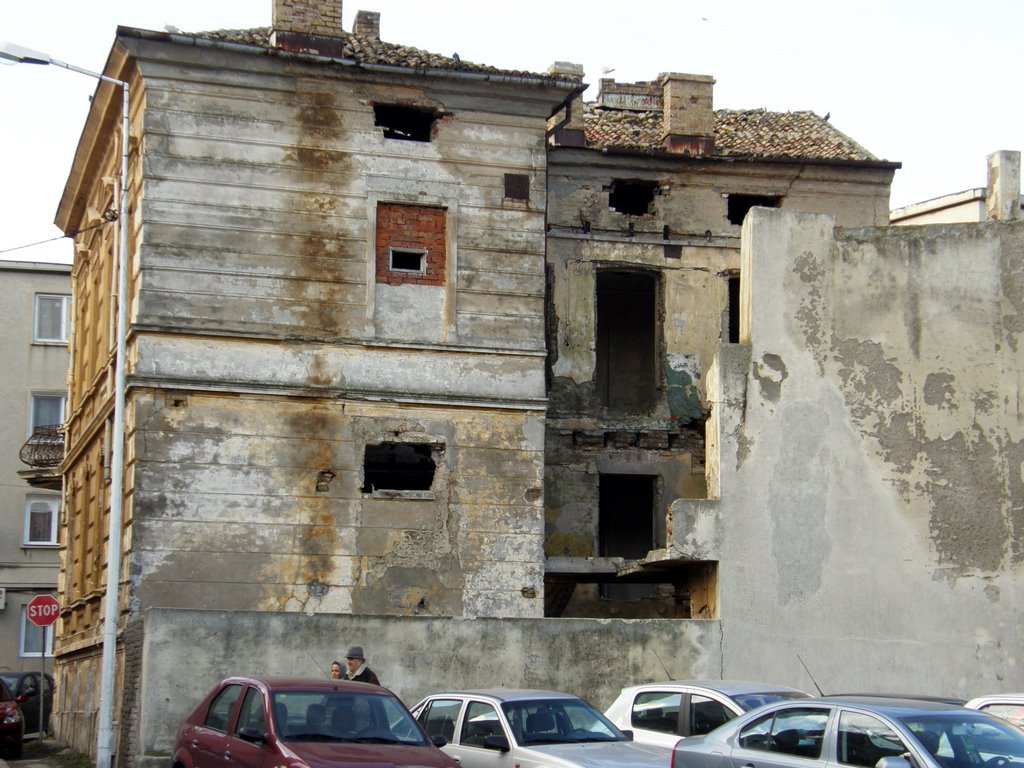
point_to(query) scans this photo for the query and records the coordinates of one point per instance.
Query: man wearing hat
(357, 669)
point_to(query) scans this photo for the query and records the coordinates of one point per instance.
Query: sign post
(43, 611)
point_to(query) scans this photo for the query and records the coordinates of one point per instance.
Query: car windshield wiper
(376, 740)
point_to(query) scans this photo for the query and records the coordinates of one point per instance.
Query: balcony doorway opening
(626, 341)
(626, 526)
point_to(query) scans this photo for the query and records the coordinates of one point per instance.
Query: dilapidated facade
(648, 188)
(336, 349)
(423, 348)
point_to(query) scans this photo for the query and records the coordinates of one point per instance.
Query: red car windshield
(346, 717)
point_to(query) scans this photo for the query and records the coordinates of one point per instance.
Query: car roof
(306, 684)
(912, 696)
(507, 694)
(728, 687)
(996, 698)
(888, 705)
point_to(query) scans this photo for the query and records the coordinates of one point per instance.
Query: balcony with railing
(43, 452)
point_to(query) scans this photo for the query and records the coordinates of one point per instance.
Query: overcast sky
(934, 84)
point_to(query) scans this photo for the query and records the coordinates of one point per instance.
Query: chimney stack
(367, 24)
(688, 116)
(308, 26)
(1002, 196)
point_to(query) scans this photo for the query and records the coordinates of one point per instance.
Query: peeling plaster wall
(871, 454)
(226, 502)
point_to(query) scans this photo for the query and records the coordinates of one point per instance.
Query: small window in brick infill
(408, 260)
(398, 467)
(631, 197)
(739, 205)
(405, 123)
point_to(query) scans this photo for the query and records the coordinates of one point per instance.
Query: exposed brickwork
(413, 227)
(129, 746)
(308, 17)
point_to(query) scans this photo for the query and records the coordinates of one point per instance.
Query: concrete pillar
(1002, 194)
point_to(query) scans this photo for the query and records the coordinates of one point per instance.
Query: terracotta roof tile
(370, 50)
(738, 133)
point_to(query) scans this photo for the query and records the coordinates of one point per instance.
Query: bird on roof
(827, 116)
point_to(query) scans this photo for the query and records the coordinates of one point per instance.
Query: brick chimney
(688, 116)
(367, 24)
(308, 26)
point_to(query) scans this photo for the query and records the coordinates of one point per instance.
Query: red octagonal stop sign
(43, 610)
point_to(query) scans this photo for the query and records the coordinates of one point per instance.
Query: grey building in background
(36, 300)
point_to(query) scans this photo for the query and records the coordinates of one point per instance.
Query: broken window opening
(403, 122)
(517, 186)
(740, 205)
(398, 467)
(631, 197)
(408, 260)
(734, 309)
(626, 340)
(626, 505)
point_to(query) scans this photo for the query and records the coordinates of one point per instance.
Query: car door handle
(195, 742)
(227, 754)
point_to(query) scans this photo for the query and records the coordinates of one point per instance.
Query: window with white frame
(52, 319)
(42, 513)
(34, 641)
(47, 411)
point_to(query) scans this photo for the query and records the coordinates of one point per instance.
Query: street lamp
(105, 725)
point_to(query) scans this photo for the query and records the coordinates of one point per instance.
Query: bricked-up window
(631, 197)
(398, 467)
(411, 244)
(403, 122)
(740, 205)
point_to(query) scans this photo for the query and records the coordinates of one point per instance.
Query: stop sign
(43, 610)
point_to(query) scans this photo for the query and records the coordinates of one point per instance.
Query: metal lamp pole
(105, 725)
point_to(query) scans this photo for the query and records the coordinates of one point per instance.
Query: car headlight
(12, 716)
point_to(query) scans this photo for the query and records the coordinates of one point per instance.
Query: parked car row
(254, 722)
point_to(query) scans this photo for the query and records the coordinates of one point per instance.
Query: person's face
(336, 671)
(353, 664)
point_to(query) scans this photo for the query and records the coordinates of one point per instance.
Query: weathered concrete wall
(412, 656)
(230, 510)
(871, 456)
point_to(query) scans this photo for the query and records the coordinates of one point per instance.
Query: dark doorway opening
(398, 467)
(626, 341)
(626, 526)
(734, 309)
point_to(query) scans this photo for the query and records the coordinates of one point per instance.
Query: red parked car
(12, 724)
(260, 722)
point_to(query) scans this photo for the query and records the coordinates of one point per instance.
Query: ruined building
(648, 187)
(436, 355)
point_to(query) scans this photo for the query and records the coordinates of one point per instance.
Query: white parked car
(529, 729)
(1009, 706)
(662, 713)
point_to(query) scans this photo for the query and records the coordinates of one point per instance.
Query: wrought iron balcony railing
(44, 449)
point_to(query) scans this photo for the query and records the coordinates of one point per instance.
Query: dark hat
(355, 652)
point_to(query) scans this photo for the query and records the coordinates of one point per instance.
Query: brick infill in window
(416, 228)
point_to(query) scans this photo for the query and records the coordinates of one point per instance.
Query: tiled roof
(370, 50)
(738, 133)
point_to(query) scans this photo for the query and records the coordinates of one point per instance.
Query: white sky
(934, 84)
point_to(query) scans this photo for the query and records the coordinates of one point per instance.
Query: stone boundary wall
(187, 652)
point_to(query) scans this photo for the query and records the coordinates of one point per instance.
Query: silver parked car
(862, 731)
(529, 729)
(1009, 706)
(662, 713)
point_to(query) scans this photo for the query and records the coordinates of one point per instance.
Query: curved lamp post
(105, 724)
